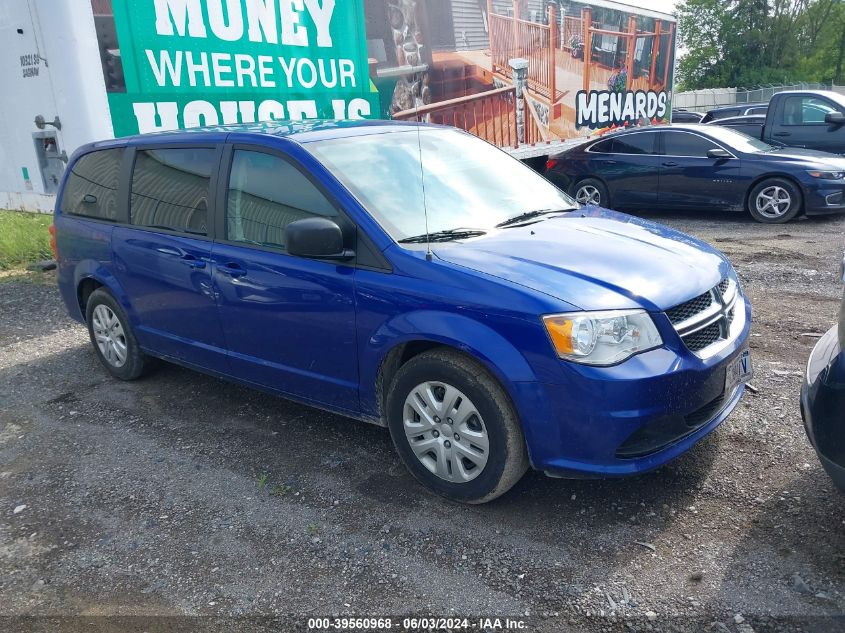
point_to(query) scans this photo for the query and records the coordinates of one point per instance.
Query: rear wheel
(774, 201)
(112, 337)
(455, 428)
(591, 191)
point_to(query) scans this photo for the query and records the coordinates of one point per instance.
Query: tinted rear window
(170, 189)
(91, 187)
(605, 147)
(639, 143)
(724, 114)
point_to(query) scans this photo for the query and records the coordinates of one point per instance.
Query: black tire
(506, 456)
(601, 196)
(135, 361)
(782, 186)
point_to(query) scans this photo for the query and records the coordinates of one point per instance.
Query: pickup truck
(814, 119)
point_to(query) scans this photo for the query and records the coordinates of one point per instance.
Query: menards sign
(210, 62)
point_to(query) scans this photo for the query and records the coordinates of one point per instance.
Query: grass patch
(24, 238)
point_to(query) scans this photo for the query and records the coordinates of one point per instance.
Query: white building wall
(49, 65)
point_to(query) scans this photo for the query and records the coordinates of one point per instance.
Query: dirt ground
(183, 495)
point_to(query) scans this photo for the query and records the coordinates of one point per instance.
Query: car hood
(799, 154)
(595, 259)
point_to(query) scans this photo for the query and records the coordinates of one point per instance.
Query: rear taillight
(551, 163)
(53, 242)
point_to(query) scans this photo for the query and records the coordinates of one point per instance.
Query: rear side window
(723, 114)
(91, 187)
(170, 189)
(266, 193)
(640, 143)
(605, 147)
(683, 144)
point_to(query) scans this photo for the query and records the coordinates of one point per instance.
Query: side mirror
(316, 238)
(719, 153)
(834, 118)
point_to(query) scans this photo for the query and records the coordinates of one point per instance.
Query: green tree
(747, 43)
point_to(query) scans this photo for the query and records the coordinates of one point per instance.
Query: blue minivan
(411, 276)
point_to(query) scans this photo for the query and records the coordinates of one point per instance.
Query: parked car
(486, 319)
(750, 124)
(737, 109)
(812, 119)
(680, 115)
(700, 167)
(823, 397)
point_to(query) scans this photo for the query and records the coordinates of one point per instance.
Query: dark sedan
(685, 116)
(751, 124)
(700, 167)
(737, 109)
(823, 398)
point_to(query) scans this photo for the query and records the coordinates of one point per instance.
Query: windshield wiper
(442, 236)
(531, 214)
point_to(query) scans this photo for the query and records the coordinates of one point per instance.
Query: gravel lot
(180, 494)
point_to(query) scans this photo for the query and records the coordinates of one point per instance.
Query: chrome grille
(704, 321)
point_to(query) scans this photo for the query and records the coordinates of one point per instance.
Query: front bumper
(823, 404)
(633, 417)
(822, 198)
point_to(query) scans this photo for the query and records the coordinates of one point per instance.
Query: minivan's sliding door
(289, 321)
(162, 260)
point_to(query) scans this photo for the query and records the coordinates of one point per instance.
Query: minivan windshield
(466, 185)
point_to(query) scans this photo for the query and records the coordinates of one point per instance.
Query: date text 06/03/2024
(415, 624)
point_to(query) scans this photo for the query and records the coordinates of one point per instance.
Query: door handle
(193, 262)
(670, 164)
(166, 250)
(608, 162)
(232, 269)
(782, 134)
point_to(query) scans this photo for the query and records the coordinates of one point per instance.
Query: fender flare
(461, 332)
(92, 269)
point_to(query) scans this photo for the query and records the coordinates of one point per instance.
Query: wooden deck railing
(490, 115)
(534, 131)
(501, 33)
(657, 77)
(570, 26)
(514, 37)
(511, 36)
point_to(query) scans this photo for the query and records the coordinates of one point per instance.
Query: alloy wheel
(588, 194)
(109, 335)
(773, 202)
(445, 431)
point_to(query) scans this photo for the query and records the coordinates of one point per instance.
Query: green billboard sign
(211, 62)
(581, 66)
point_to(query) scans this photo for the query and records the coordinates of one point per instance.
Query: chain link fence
(707, 99)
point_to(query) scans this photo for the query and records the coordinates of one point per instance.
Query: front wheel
(591, 191)
(455, 428)
(774, 201)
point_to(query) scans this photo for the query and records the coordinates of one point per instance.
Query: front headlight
(602, 338)
(826, 175)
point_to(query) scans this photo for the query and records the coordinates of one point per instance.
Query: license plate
(738, 371)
